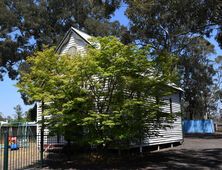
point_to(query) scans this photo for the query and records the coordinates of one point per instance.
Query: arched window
(72, 50)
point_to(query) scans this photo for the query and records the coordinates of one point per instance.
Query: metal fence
(24, 152)
(18, 152)
(1, 149)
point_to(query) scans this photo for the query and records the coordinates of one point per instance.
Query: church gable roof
(85, 37)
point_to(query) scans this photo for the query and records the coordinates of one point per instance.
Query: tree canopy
(1, 117)
(27, 25)
(109, 94)
(19, 115)
(180, 28)
(168, 26)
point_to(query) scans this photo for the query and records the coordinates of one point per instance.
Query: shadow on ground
(168, 159)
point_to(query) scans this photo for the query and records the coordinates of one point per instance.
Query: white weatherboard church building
(75, 41)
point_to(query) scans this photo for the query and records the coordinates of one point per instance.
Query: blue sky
(10, 97)
(119, 15)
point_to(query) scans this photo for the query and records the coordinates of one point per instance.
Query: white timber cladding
(79, 40)
(39, 126)
(170, 134)
(39, 118)
(48, 139)
(74, 38)
(74, 41)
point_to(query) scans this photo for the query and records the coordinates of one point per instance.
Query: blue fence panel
(198, 126)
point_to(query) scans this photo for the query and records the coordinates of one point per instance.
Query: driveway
(197, 152)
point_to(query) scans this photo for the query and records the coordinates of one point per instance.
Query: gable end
(67, 37)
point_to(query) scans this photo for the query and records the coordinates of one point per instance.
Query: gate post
(5, 150)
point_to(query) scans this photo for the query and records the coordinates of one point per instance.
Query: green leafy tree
(1, 117)
(200, 95)
(26, 26)
(167, 24)
(218, 79)
(178, 27)
(19, 114)
(31, 114)
(111, 94)
(9, 119)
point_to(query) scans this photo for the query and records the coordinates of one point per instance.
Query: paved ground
(197, 152)
(200, 152)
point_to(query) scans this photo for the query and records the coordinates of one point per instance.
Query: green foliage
(111, 94)
(200, 90)
(19, 114)
(180, 28)
(2, 117)
(168, 24)
(31, 114)
(9, 119)
(26, 26)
